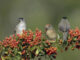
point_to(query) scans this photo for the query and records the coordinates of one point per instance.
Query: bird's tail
(65, 36)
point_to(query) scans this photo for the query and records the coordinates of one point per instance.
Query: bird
(50, 32)
(20, 26)
(64, 27)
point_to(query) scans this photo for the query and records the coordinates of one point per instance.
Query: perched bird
(64, 27)
(21, 25)
(50, 32)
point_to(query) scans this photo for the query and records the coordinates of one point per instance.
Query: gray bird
(21, 25)
(50, 32)
(64, 27)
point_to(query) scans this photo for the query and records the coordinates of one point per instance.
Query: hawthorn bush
(29, 45)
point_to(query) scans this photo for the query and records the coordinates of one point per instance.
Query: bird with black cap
(21, 25)
(64, 27)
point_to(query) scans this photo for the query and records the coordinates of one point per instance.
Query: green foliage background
(37, 13)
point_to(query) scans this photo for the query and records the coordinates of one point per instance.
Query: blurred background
(37, 13)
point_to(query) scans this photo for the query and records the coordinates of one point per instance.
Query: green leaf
(19, 53)
(33, 48)
(37, 52)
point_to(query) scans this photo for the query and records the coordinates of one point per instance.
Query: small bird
(21, 25)
(50, 32)
(64, 27)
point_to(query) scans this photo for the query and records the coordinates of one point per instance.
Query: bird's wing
(67, 25)
(15, 30)
(51, 34)
(17, 23)
(62, 26)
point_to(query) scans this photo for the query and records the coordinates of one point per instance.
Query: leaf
(33, 48)
(5, 58)
(19, 53)
(41, 50)
(37, 52)
(2, 58)
(6, 52)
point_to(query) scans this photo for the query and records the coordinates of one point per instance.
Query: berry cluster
(74, 39)
(29, 45)
(51, 51)
(10, 42)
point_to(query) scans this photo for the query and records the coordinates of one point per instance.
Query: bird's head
(64, 17)
(48, 26)
(20, 19)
